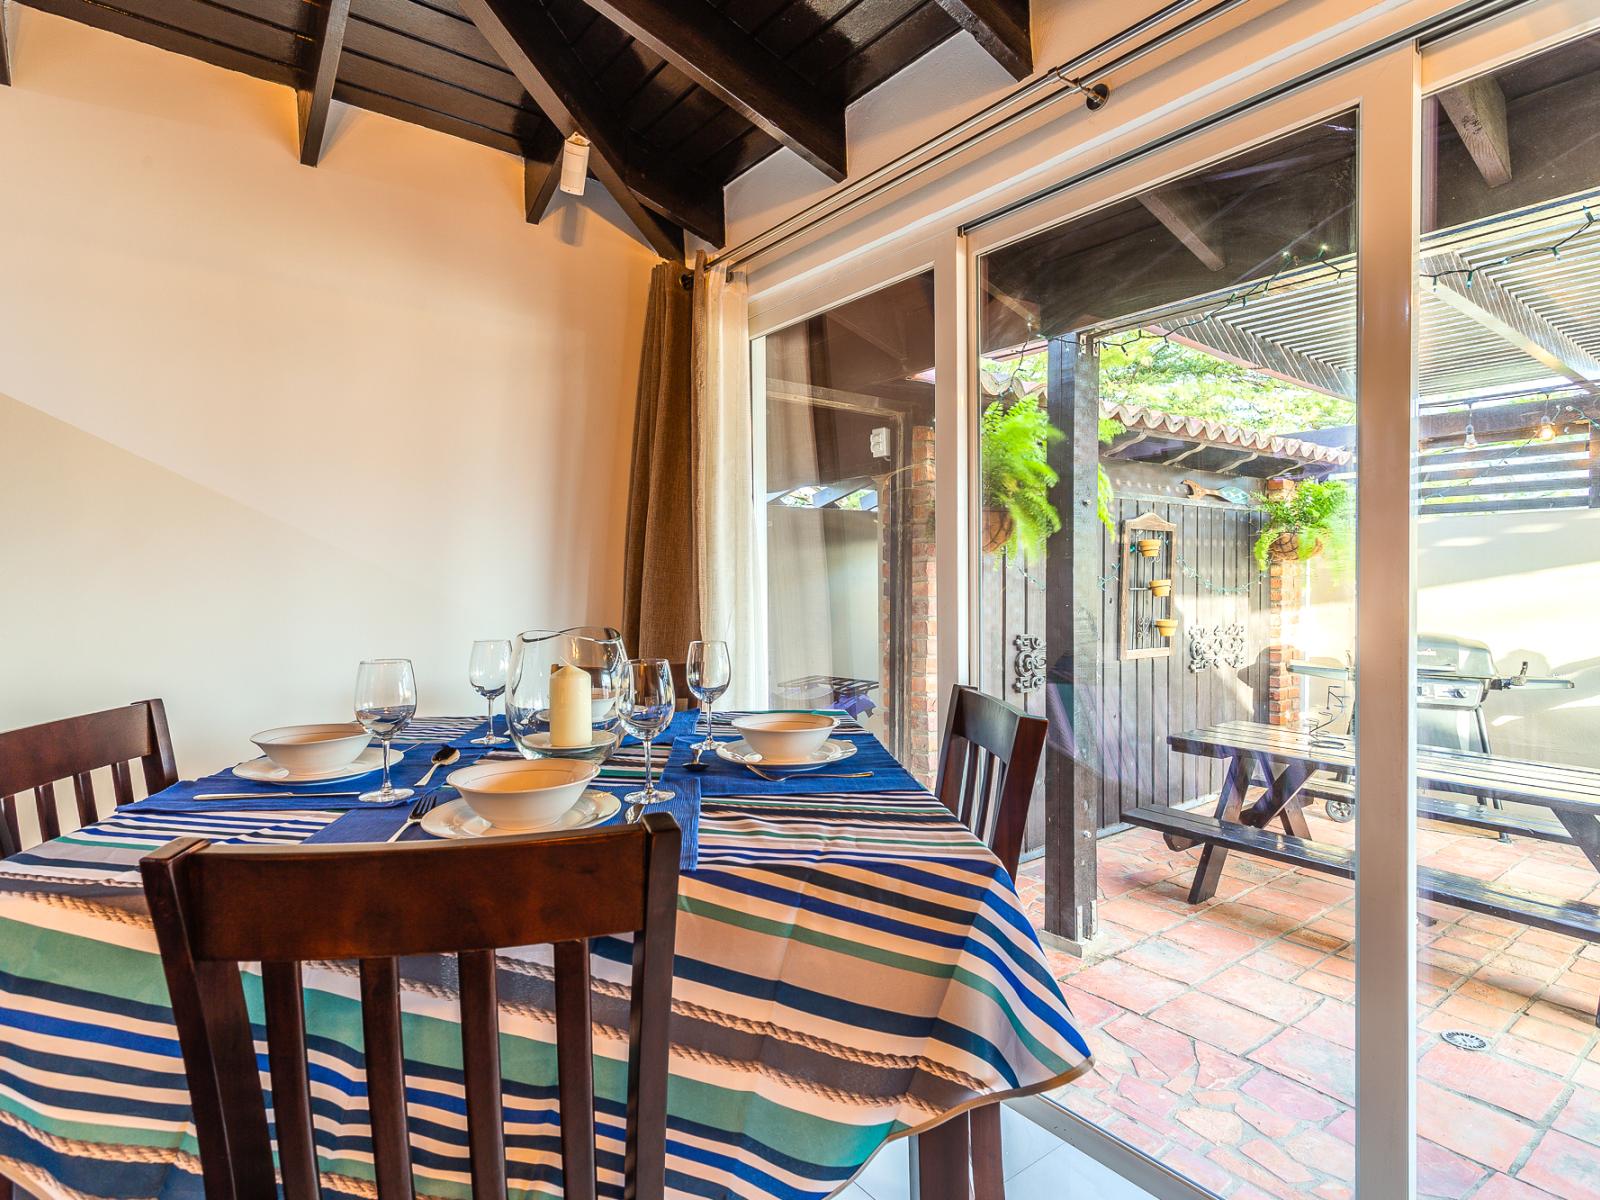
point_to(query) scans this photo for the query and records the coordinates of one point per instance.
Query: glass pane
(1166, 439)
(849, 513)
(1508, 646)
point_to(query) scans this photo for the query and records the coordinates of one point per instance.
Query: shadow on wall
(130, 581)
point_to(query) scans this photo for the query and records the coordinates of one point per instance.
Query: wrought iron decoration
(1216, 646)
(1028, 666)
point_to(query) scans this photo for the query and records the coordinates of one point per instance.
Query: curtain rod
(1055, 84)
(972, 130)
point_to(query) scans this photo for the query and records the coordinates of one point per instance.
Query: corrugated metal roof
(1212, 433)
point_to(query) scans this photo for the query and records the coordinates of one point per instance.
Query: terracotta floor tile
(1172, 1053)
(1261, 994)
(1215, 1021)
(1517, 1089)
(1443, 1173)
(1471, 1129)
(1175, 960)
(1564, 1167)
(1580, 1116)
(1503, 1187)
(1134, 988)
(1313, 1061)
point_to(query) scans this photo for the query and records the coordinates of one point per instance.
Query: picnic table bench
(1291, 767)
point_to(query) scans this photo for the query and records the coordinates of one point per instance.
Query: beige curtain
(732, 573)
(661, 573)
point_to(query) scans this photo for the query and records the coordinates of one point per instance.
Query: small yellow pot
(1161, 587)
(1166, 626)
(1149, 547)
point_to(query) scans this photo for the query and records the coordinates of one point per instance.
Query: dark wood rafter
(541, 173)
(5, 42)
(738, 70)
(657, 194)
(1001, 27)
(1477, 109)
(314, 96)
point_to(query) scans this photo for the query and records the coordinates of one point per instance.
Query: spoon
(442, 757)
(806, 774)
(694, 764)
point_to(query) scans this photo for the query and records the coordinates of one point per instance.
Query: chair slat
(36, 758)
(83, 791)
(575, 1069)
(291, 1087)
(44, 804)
(10, 833)
(644, 1170)
(386, 1077)
(121, 783)
(480, 1052)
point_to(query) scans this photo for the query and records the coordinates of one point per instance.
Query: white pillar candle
(569, 708)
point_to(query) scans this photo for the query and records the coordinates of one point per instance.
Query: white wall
(258, 421)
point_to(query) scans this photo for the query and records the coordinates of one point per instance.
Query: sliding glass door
(847, 401)
(1167, 431)
(1507, 524)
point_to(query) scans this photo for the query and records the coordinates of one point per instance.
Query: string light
(1547, 430)
(1590, 220)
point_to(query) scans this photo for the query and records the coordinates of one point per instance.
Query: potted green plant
(1302, 521)
(1017, 476)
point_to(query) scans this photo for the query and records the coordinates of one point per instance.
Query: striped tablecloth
(850, 968)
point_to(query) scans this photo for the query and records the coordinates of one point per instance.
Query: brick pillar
(1286, 600)
(921, 751)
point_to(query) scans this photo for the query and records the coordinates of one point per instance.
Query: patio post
(1072, 642)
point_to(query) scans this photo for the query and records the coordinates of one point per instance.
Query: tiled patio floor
(1223, 1033)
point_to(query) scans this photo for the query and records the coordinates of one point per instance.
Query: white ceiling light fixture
(574, 164)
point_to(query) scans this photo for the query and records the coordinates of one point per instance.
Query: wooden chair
(987, 769)
(37, 758)
(217, 906)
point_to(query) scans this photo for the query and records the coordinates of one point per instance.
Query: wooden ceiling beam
(5, 43)
(314, 96)
(541, 175)
(656, 193)
(1001, 27)
(1185, 216)
(1477, 109)
(738, 70)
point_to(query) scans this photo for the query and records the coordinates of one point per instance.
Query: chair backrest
(685, 699)
(988, 767)
(217, 906)
(35, 759)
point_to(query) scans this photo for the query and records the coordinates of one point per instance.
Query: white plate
(264, 770)
(831, 751)
(455, 820)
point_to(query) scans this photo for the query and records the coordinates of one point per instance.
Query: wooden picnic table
(1291, 766)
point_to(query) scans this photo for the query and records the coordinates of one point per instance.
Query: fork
(419, 810)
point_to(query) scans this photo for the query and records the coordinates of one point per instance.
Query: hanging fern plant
(1017, 476)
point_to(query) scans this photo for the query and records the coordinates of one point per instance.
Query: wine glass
(709, 674)
(386, 700)
(486, 671)
(540, 659)
(647, 704)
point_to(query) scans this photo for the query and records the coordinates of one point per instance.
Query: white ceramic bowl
(313, 747)
(785, 736)
(523, 795)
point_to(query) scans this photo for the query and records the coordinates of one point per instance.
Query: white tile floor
(1038, 1166)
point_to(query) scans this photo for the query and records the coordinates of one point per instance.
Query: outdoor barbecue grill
(1454, 678)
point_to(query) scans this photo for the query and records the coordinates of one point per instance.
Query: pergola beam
(1511, 320)
(1477, 109)
(1218, 338)
(1185, 216)
(1001, 27)
(314, 97)
(738, 70)
(655, 193)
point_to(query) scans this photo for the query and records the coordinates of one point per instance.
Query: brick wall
(921, 751)
(1285, 602)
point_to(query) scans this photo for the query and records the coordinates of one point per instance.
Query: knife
(266, 795)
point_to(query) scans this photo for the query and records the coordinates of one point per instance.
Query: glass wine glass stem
(489, 701)
(649, 779)
(386, 788)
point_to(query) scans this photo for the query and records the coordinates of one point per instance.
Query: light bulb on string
(1547, 429)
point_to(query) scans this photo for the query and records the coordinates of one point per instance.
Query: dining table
(853, 966)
